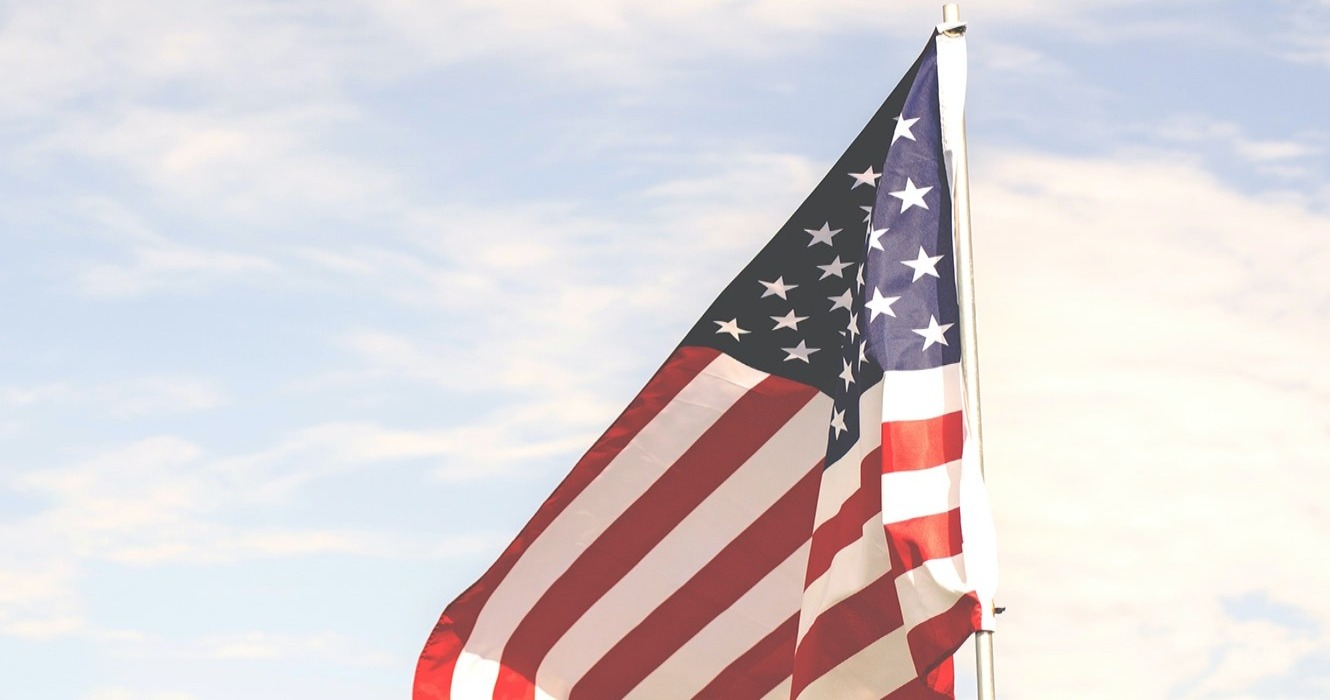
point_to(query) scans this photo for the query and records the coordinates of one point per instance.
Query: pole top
(951, 12)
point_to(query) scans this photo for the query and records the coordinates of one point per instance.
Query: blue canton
(808, 308)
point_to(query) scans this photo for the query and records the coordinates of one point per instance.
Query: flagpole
(983, 639)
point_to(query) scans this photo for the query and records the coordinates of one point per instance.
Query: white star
(903, 128)
(822, 235)
(923, 265)
(868, 212)
(788, 321)
(853, 328)
(779, 288)
(847, 374)
(731, 326)
(867, 177)
(841, 302)
(911, 196)
(799, 352)
(863, 352)
(836, 268)
(880, 305)
(838, 423)
(876, 241)
(859, 279)
(934, 333)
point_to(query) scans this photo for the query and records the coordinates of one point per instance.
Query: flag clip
(951, 29)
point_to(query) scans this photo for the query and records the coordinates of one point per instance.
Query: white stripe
(951, 79)
(767, 476)
(872, 672)
(729, 369)
(841, 479)
(931, 588)
(759, 611)
(920, 394)
(856, 565)
(920, 492)
(641, 462)
(977, 533)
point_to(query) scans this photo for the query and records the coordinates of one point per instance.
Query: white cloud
(162, 395)
(550, 423)
(207, 543)
(13, 397)
(260, 645)
(1304, 39)
(124, 254)
(64, 51)
(633, 40)
(263, 160)
(167, 267)
(1007, 59)
(164, 499)
(37, 592)
(147, 485)
(139, 397)
(1250, 652)
(1154, 419)
(1291, 156)
(137, 694)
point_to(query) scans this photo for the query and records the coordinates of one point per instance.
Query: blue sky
(307, 306)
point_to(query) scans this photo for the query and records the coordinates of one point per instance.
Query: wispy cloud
(633, 40)
(38, 597)
(177, 268)
(138, 694)
(1295, 155)
(260, 645)
(126, 251)
(61, 53)
(1304, 39)
(269, 158)
(124, 399)
(166, 500)
(1149, 330)
(65, 52)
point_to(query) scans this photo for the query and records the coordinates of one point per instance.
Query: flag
(787, 509)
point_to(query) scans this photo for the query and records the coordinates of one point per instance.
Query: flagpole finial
(951, 12)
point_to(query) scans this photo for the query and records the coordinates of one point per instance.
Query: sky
(307, 306)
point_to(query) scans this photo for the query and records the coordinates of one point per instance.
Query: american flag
(777, 513)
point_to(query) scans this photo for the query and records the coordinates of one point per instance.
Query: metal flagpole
(983, 639)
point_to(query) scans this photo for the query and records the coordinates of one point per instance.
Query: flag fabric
(787, 509)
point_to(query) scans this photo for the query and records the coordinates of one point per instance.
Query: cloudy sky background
(307, 306)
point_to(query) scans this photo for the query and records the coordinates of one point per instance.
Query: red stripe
(939, 684)
(844, 629)
(920, 444)
(914, 541)
(847, 525)
(759, 669)
(721, 450)
(939, 637)
(434, 671)
(761, 547)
